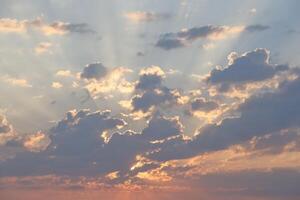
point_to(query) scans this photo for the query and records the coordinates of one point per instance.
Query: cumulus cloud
(82, 128)
(103, 80)
(150, 93)
(150, 78)
(156, 97)
(98, 144)
(161, 128)
(76, 146)
(94, 71)
(182, 38)
(250, 67)
(259, 115)
(143, 16)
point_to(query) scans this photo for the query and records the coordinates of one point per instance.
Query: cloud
(8, 25)
(161, 128)
(277, 183)
(150, 93)
(56, 85)
(251, 66)
(203, 105)
(94, 71)
(150, 78)
(20, 82)
(12, 25)
(283, 141)
(37, 142)
(43, 47)
(100, 79)
(259, 115)
(143, 16)
(75, 146)
(7, 132)
(152, 99)
(101, 145)
(257, 27)
(182, 38)
(65, 73)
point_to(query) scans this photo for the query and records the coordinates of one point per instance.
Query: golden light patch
(113, 175)
(37, 142)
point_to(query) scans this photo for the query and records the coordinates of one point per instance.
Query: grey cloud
(76, 143)
(150, 91)
(170, 41)
(257, 27)
(154, 98)
(94, 71)
(249, 67)
(161, 128)
(263, 114)
(149, 81)
(287, 140)
(80, 132)
(77, 149)
(184, 37)
(81, 28)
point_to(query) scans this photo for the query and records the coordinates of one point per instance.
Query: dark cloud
(161, 128)
(259, 115)
(170, 41)
(256, 28)
(286, 140)
(150, 91)
(81, 28)
(150, 80)
(81, 129)
(94, 71)
(77, 147)
(76, 143)
(155, 97)
(249, 67)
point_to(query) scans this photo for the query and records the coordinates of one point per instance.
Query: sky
(149, 99)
